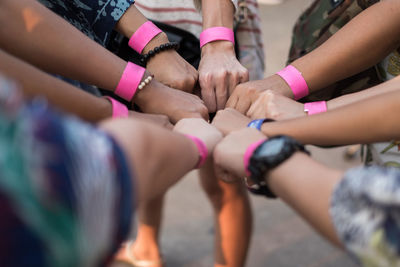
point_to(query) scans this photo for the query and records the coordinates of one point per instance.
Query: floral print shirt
(95, 18)
(365, 210)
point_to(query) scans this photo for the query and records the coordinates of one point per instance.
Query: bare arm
(372, 120)
(172, 154)
(390, 86)
(38, 36)
(307, 186)
(42, 38)
(349, 51)
(278, 107)
(61, 94)
(219, 70)
(301, 182)
(179, 74)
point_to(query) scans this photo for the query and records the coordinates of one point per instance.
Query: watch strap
(257, 124)
(259, 165)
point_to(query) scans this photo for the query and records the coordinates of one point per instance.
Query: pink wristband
(295, 81)
(216, 34)
(315, 107)
(203, 151)
(119, 110)
(247, 155)
(131, 77)
(143, 36)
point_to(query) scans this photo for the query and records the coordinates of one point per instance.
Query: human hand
(200, 129)
(158, 119)
(246, 94)
(229, 120)
(229, 153)
(275, 106)
(170, 68)
(219, 73)
(157, 98)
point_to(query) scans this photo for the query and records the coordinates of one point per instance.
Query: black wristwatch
(269, 155)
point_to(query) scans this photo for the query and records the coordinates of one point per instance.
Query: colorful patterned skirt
(65, 187)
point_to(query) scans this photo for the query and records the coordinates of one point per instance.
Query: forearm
(131, 21)
(159, 158)
(307, 187)
(372, 120)
(349, 51)
(42, 38)
(60, 94)
(390, 86)
(218, 14)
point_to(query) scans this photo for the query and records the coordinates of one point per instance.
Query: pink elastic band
(203, 151)
(295, 81)
(315, 107)
(247, 155)
(131, 77)
(119, 110)
(216, 34)
(143, 36)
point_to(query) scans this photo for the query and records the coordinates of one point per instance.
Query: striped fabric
(183, 14)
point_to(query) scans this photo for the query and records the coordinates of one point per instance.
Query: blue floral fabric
(95, 18)
(365, 210)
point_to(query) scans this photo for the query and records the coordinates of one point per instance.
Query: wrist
(295, 80)
(130, 79)
(202, 150)
(158, 40)
(312, 108)
(144, 35)
(221, 46)
(144, 98)
(119, 110)
(278, 175)
(216, 34)
(279, 85)
(102, 110)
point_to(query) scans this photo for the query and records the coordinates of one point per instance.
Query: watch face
(272, 147)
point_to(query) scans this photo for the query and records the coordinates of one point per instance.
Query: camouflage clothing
(316, 25)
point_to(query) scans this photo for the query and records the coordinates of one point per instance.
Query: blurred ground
(280, 237)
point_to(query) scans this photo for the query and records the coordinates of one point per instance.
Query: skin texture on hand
(230, 120)
(275, 106)
(200, 129)
(219, 73)
(168, 67)
(157, 119)
(229, 153)
(157, 98)
(246, 94)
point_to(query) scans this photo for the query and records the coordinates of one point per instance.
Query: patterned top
(365, 209)
(65, 188)
(95, 18)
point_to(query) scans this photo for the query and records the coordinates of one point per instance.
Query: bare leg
(146, 246)
(233, 222)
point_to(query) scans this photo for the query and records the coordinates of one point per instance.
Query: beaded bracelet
(168, 46)
(145, 82)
